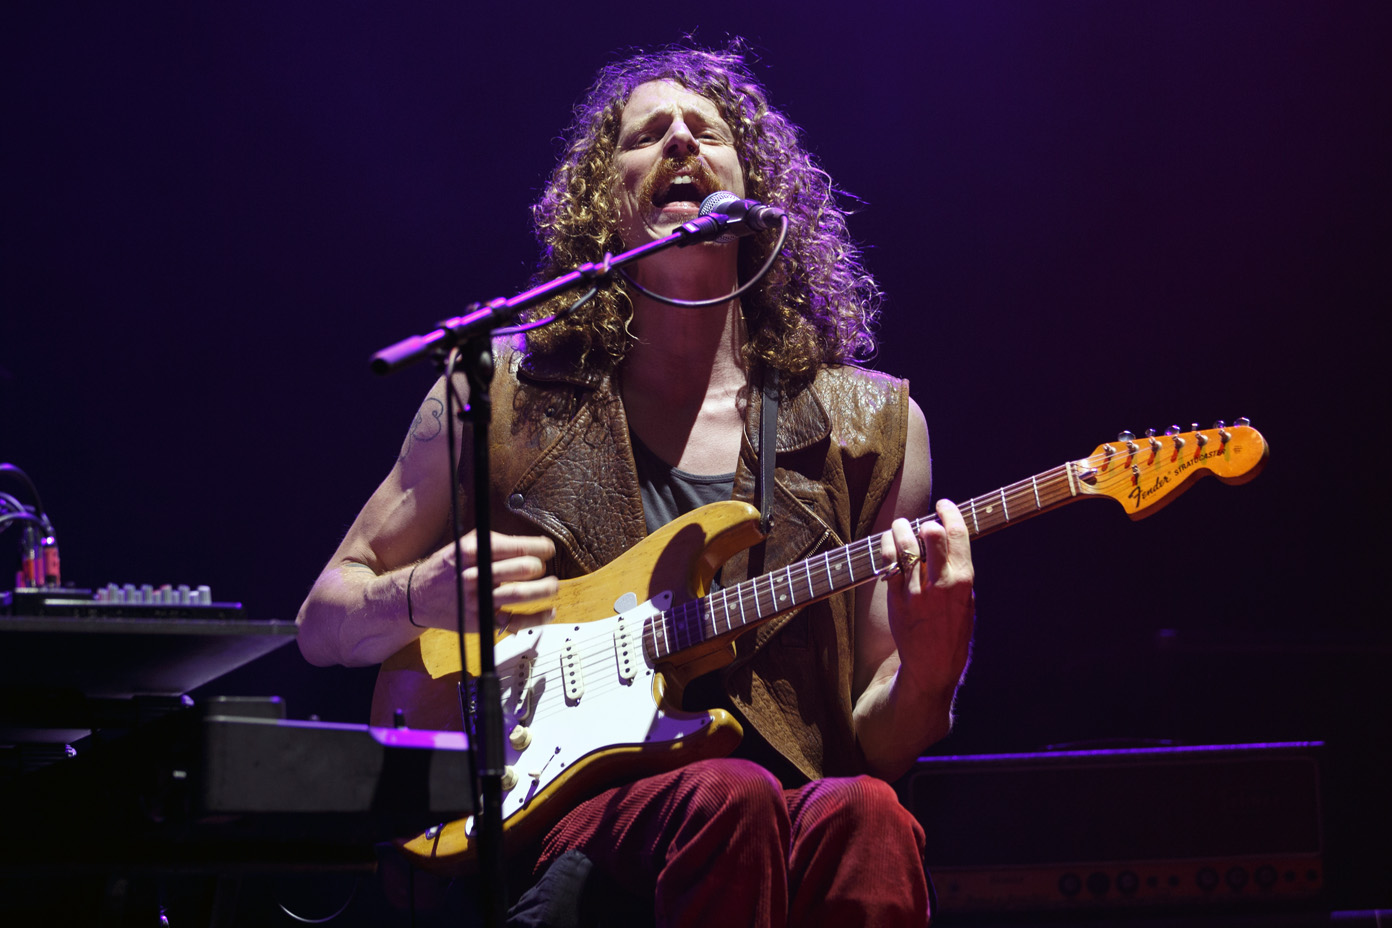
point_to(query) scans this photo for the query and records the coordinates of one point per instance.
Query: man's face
(674, 149)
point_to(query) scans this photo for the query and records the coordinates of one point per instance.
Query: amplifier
(1072, 830)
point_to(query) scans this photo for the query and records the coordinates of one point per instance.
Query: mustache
(668, 169)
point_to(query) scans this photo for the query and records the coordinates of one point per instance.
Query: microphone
(739, 217)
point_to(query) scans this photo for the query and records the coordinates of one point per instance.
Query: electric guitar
(591, 697)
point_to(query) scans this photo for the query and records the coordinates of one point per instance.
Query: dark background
(1088, 216)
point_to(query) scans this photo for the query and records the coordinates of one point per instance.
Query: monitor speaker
(1070, 830)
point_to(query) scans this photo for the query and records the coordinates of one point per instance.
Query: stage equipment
(1216, 825)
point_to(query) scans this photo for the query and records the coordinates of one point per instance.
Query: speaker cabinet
(1065, 830)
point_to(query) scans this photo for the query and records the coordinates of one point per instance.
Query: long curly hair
(817, 305)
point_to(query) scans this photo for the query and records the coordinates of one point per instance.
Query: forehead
(666, 97)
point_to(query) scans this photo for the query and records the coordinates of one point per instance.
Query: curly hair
(817, 305)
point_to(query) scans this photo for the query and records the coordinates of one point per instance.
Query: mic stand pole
(477, 359)
(474, 332)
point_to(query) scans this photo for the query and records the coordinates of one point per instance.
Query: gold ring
(908, 560)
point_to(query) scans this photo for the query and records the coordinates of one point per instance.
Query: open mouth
(681, 189)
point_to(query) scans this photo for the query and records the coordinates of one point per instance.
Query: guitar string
(603, 642)
(601, 645)
(709, 608)
(600, 649)
(713, 606)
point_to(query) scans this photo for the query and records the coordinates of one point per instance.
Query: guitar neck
(736, 607)
(1143, 474)
(1015, 503)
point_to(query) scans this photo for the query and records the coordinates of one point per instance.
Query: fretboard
(736, 607)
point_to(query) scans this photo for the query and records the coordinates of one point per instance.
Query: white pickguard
(568, 686)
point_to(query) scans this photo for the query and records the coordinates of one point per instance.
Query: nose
(680, 141)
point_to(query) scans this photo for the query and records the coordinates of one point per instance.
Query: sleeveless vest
(562, 465)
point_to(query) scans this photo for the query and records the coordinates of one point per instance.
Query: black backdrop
(1088, 216)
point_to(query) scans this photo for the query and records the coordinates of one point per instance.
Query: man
(630, 411)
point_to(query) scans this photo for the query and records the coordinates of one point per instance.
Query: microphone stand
(473, 331)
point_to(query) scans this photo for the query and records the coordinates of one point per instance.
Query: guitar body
(592, 709)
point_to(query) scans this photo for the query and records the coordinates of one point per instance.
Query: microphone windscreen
(714, 202)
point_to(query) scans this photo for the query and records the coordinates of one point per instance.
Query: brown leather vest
(562, 463)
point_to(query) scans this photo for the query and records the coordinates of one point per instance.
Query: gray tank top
(669, 493)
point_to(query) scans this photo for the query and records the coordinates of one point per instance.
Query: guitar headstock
(1145, 473)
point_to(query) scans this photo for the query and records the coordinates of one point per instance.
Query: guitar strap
(768, 443)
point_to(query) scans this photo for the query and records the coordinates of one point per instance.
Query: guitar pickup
(523, 701)
(625, 651)
(572, 677)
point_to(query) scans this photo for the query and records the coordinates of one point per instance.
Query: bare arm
(914, 630)
(356, 612)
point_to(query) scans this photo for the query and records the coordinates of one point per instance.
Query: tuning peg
(1125, 435)
(1243, 421)
(1219, 424)
(1172, 430)
(1223, 432)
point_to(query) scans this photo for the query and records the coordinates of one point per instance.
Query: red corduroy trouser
(721, 843)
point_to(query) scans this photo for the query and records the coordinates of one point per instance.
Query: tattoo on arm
(429, 422)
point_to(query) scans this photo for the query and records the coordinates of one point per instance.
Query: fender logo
(1141, 494)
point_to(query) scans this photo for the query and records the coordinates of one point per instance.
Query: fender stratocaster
(590, 698)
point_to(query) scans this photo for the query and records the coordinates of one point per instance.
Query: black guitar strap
(768, 443)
